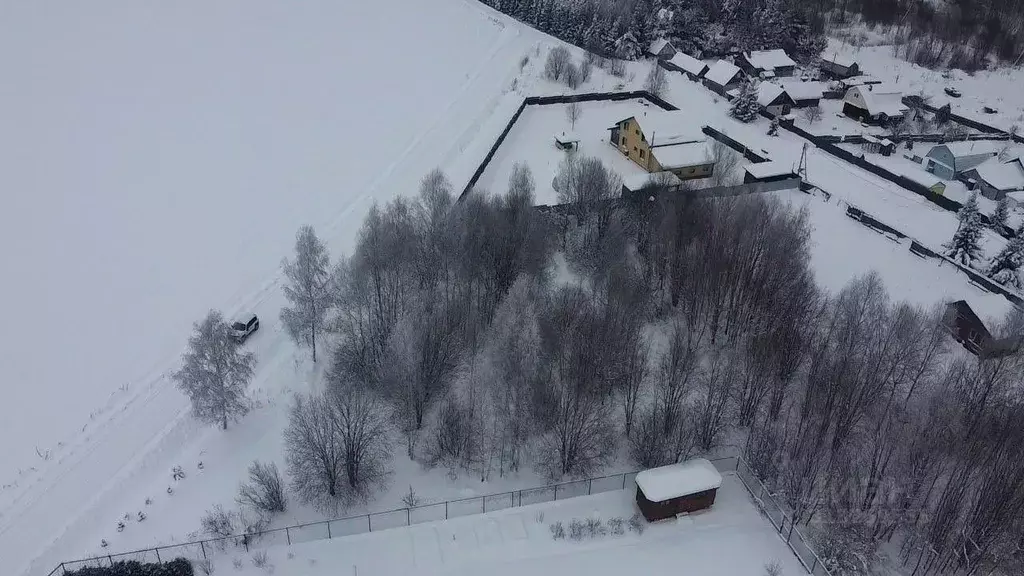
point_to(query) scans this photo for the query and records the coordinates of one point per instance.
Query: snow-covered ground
(158, 164)
(843, 249)
(730, 538)
(998, 88)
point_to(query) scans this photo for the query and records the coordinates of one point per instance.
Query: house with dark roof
(770, 97)
(804, 94)
(969, 330)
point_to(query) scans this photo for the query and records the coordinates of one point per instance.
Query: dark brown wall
(654, 511)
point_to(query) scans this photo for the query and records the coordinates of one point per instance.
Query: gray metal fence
(402, 517)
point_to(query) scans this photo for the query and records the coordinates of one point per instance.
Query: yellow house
(662, 141)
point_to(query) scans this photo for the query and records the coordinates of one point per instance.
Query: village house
(661, 49)
(999, 177)
(839, 67)
(951, 159)
(722, 77)
(767, 172)
(969, 330)
(770, 97)
(660, 141)
(693, 68)
(804, 94)
(767, 64)
(682, 488)
(875, 145)
(874, 104)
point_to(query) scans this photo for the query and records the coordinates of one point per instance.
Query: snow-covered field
(731, 538)
(157, 164)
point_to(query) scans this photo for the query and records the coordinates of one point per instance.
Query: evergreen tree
(641, 24)
(1004, 266)
(964, 246)
(1001, 212)
(745, 107)
(627, 47)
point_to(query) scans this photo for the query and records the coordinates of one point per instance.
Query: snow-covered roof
(962, 148)
(769, 59)
(566, 137)
(664, 127)
(798, 90)
(722, 72)
(922, 177)
(838, 60)
(860, 80)
(658, 45)
(688, 63)
(639, 180)
(880, 99)
(769, 169)
(676, 480)
(1002, 175)
(767, 92)
(682, 155)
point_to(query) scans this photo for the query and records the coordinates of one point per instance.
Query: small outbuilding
(661, 49)
(681, 488)
(839, 67)
(693, 68)
(767, 172)
(567, 141)
(723, 76)
(767, 64)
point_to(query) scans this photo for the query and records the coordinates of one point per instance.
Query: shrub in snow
(595, 528)
(772, 568)
(812, 114)
(557, 531)
(411, 500)
(204, 566)
(558, 61)
(615, 525)
(265, 489)
(745, 107)
(524, 61)
(218, 522)
(656, 82)
(176, 567)
(259, 559)
(577, 530)
(586, 69)
(1001, 212)
(237, 563)
(572, 76)
(637, 523)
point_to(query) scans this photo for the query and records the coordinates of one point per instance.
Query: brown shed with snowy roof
(681, 488)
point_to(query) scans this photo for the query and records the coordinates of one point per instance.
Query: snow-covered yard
(843, 248)
(730, 538)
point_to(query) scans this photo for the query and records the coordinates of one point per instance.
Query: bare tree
(307, 290)
(572, 76)
(215, 372)
(714, 393)
(337, 447)
(812, 114)
(585, 183)
(558, 61)
(265, 490)
(656, 82)
(572, 113)
(315, 452)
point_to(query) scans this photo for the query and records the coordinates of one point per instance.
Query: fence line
(402, 517)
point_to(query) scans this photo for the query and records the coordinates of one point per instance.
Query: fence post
(63, 570)
(203, 547)
(111, 560)
(623, 480)
(157, 550)
(288, 535)
(328, 530)
(556, 491)
(408, 517)
(590, 484)
(445, 509)
(511, 499)
(814, 564)
(369, 525)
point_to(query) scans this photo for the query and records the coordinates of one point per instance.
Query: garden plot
(532, 141)
(843, 249)
(521, 541)
(834, 123)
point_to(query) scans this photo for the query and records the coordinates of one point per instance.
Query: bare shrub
(219, 522)
(265, 490)
(812, 114)
(237, 563)
(411, 500)
(557, 63)
(557, 531)
(656, 82)
(637, 523)
(595, 528)
(586, 68)
(204, 566)
(615, 526)
(577, 530)
(772, 568)
(572, 76)
(524, 61)
(572, 113)
(260, 560)
(617, 68)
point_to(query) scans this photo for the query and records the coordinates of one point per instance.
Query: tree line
(624, 29)
(485, 336)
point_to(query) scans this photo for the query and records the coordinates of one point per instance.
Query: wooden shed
(681, 488)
